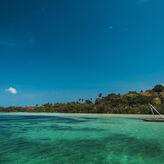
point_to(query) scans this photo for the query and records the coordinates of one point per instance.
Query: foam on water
(89, 139)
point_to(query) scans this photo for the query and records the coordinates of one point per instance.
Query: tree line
(129, 103)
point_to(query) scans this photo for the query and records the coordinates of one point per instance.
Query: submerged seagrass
(72, 139)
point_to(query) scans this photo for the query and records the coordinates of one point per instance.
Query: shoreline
(80, 114)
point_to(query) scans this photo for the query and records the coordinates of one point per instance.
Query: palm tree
(100, 95)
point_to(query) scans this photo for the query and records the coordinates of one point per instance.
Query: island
(129, 103)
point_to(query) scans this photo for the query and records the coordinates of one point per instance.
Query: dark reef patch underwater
(72, 139)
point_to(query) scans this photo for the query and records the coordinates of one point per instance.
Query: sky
(63, 50)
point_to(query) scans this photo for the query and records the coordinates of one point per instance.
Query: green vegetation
(129, 103)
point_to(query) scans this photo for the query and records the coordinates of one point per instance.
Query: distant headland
(129, 103)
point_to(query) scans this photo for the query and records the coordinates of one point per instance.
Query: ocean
(27, 138)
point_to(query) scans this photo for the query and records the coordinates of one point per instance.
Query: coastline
(69, 114)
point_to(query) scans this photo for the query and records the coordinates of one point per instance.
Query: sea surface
(79, 139)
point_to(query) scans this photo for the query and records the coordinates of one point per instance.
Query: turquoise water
(79, 139)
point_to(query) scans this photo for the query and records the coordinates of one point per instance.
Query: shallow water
(79, 139)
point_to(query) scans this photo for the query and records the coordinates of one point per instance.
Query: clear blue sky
(62, 50)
